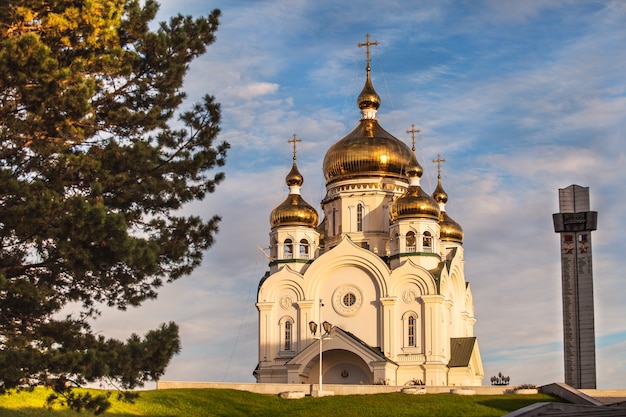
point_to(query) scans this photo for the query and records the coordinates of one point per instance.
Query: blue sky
(520, 98)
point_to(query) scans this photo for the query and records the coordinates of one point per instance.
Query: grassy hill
(218, 402)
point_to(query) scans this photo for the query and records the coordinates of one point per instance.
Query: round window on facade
(349, 299)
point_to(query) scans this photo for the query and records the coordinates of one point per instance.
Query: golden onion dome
(451, 231)
(367, 150)
(415, 203)
(440, 194)
(369, 98)
(414, 169)
(294, 177)
(294, 211)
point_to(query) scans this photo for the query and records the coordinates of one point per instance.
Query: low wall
(337, 389)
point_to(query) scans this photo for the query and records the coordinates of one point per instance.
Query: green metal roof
(461, 349)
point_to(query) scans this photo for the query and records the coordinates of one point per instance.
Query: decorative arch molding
(345, 255)
(284, 279)
(410, 273)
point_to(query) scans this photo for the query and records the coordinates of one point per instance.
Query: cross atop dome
(413, 131)
(367, 45)
(294, 141)
(438, 161)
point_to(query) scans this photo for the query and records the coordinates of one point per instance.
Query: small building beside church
(383, 270)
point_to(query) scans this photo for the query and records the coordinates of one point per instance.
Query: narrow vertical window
(359, 217)
(288, 249)
(411, 332)
(288, 332)
(427, 242)
(304, 249)
(334, 225)
(410, 242)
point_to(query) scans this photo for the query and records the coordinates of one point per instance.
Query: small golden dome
(414, 169)
(369, 98)
(294, 211)
(451, 231)
(367, 150)
(440, 194)
(294, 177)
(415, 203)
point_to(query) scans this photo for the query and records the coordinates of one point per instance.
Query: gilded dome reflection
(294, 211)
(451, 231)
(415, 203)
(367, 150)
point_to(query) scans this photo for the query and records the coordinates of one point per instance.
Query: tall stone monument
(574, 223)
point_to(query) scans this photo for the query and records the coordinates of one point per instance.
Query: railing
(412, 357)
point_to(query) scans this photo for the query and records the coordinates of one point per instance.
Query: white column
(389, 325)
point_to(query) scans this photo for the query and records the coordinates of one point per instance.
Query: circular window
(347, 300)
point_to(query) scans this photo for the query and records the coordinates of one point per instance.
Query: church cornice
(291, 261)
(364, 189)
(411, 254)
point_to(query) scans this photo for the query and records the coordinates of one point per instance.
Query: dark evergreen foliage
(94, 167)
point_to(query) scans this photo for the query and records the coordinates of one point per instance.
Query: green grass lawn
(218, 402)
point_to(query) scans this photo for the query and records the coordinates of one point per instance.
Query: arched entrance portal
(340, 367)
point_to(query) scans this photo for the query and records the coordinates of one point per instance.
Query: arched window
(427, 242)
(288, 249)
(288, 334)
(411, 331)
(395, 242)
(359, 217)
(304, 249)
(410, 242)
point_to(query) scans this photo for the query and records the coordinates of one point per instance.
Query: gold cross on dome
(413, 131)
(294, 141)
(438, 161)
(367, 45)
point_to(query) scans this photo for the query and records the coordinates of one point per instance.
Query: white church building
(381, 278)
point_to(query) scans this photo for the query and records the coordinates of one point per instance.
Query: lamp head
(327, 326)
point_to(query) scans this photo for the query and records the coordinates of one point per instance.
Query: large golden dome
(415, 203)
(294, 211)
(367, 150)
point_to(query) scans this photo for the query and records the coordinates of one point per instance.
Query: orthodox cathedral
(377, 289)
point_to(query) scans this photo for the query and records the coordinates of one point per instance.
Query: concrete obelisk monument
(574, 223)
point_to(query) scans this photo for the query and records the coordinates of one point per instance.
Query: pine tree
(94, 167)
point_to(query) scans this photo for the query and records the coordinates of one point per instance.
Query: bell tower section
(574, 223)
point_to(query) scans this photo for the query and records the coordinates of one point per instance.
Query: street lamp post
(326, 326)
